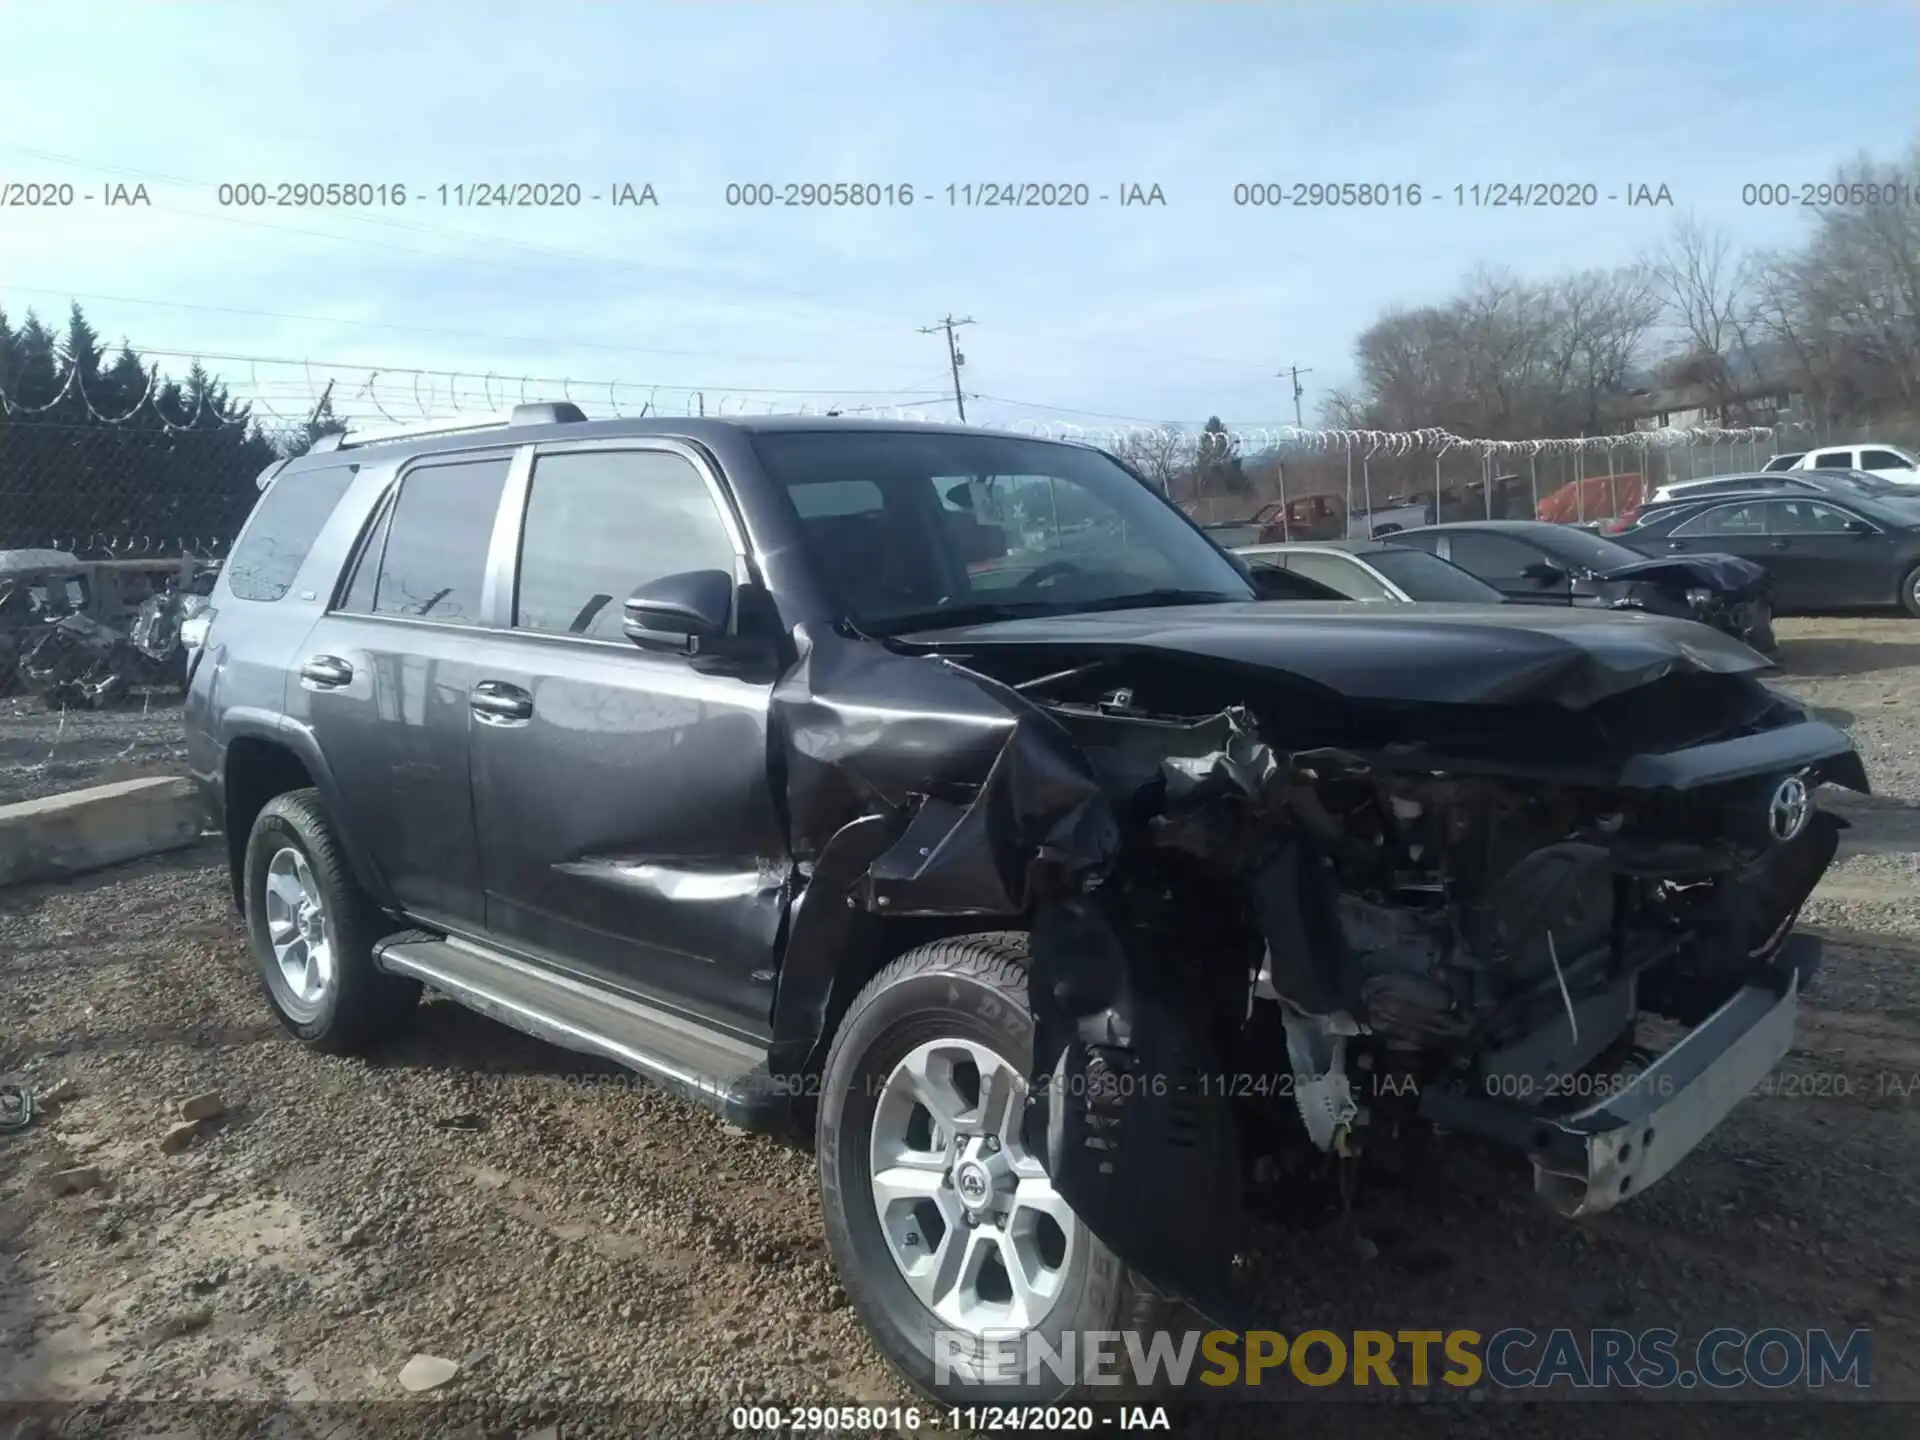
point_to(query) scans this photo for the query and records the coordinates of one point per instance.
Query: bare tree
(1163, 454)
(1704, 287)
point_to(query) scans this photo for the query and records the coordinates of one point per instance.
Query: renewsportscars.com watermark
(1514, 1359)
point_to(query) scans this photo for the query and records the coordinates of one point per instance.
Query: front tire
(312, 931)
(943, 1227)
(1910, 592)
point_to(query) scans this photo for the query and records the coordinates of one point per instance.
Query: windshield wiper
(986, 612)
(1166, 595)
(952, 617)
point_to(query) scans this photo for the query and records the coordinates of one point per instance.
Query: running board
(716, 1070)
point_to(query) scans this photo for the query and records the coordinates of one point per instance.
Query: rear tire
(312, 930)
(955, 998)
(1910, 592)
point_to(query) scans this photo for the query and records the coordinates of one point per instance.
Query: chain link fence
(126, 491)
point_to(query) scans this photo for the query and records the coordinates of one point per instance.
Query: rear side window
(434, 560)
(1338, 573)
(1832, 460)
(285, 523)
(602, 523)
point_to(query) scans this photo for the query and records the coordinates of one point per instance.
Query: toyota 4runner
(949, 795)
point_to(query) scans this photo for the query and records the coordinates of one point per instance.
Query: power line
(954, 357)
(421, 330)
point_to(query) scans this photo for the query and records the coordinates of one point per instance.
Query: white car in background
(1889, 462)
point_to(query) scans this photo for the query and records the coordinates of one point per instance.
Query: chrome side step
(714, 1069)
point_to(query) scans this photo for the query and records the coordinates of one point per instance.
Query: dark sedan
(1833, 551)
(1371, 570)
(1535, 562)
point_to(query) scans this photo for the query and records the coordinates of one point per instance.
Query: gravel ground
(574, 1239)
(43, 753)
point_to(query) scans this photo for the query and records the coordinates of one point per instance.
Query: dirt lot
(575, 1239)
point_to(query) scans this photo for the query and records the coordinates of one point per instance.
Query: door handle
(494, 700)
(327, 670)
(1676, 545)
(1776, 544)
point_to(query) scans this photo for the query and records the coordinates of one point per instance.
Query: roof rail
(553, 412)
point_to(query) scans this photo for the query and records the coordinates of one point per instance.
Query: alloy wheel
(970, 1218)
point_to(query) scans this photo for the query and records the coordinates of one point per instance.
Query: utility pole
(320, 404)
(1293, 373)
(954, 357)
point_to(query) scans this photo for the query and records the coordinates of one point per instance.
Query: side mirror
(1544, 574)
(679, 612)
(1859, 527)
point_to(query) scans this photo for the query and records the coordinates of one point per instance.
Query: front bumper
(1593, 1159)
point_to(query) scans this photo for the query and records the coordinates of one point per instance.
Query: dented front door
(622, 796)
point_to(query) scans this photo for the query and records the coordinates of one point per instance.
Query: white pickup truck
(1889, 462)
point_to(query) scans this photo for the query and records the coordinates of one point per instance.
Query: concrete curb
(81, 830)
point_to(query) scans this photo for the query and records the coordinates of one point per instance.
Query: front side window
(1499, 559)
(602, 523)
(909, 528)
(1424, 576)
(1883, 460)
(285, 523)
(434, 561)
(1805, 517)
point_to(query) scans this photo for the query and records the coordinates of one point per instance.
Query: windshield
(1583, 548)
(919, 529)
(1427, 577)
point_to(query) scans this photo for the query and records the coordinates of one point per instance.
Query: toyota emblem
(1789, 808)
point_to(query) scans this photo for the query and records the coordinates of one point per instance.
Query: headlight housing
(1700, 598)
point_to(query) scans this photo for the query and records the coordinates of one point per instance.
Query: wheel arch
(834, 945)
(264, 759)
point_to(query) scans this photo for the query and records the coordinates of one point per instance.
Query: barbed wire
(281, 404)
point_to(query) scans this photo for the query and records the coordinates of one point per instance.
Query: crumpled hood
(1727, 573)
(1436, 654)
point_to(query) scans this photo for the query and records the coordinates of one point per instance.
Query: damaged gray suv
(948, 795)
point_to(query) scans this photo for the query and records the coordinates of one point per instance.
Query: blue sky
(1173, 312)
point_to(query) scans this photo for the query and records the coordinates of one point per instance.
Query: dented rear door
(622, 798)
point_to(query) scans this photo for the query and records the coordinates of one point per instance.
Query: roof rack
(551, 412)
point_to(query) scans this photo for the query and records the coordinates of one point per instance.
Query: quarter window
(601, 523)
(286, 521)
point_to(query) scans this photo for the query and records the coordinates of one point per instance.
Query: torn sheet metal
(993, 799)
(75, 661)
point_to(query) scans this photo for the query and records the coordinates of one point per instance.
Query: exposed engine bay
(1452, 920)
